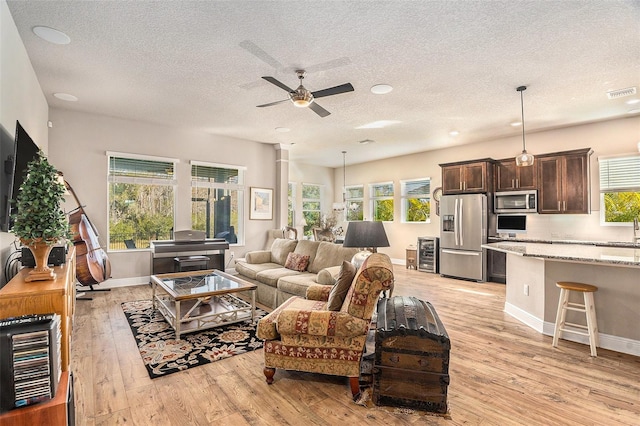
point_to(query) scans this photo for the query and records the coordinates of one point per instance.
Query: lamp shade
(366, 234)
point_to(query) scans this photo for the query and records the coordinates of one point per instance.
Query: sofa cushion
(307, 247)
(250, 270)
(330, 254)
(280, 249)
(341, 287)
(328, 276)
(296, 284)
(297, 262)
(270, 277)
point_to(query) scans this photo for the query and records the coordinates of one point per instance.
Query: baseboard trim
(607, 341)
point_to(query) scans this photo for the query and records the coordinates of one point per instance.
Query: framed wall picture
(261, 204)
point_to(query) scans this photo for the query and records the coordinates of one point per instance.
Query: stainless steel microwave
(516, 202)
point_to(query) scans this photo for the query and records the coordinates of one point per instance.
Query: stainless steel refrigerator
(463, 229)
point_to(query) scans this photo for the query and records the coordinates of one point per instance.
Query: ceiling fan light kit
(523, 159)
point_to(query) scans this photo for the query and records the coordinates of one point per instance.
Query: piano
(187, 243)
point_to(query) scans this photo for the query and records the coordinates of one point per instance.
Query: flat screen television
(25, 150)
(7, 157)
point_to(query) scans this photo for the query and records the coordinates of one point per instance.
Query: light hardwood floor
(502, 373)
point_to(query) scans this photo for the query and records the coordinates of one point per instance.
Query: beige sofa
(277, 283)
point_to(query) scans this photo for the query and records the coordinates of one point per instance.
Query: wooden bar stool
(588, 308)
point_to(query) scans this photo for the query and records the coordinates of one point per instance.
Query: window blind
(136, 170)
(417, 188)
(620, 174)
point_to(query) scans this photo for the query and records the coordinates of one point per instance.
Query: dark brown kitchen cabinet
(467, 177)
(563, 186)
(509, 177)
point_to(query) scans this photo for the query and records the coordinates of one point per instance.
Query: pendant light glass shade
(524, 158)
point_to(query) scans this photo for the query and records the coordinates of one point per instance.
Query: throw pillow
(297, 262)
(341, 287)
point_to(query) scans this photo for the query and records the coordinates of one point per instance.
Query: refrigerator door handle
(455, 222)
(460, 222)
(462, 253)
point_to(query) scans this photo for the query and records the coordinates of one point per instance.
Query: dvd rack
(30, 361)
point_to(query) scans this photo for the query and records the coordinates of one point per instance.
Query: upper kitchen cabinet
(509, 177)
(467, 177)
(563, 186)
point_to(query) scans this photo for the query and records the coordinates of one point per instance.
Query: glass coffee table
(197, 300)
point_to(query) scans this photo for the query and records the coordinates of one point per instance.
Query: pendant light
(524, 158)
(343, 205)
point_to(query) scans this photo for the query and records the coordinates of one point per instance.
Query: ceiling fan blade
(256, 51)
(279, 84)
(343, 88)
(273, 103)
(335, 63)
(319, 110)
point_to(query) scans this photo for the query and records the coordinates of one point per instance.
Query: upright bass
(92, 263)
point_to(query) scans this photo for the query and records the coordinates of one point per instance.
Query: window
(141, 200)
(382, 201)
(311, 206)
(619, 188)
(291, 205)
(217, 200)
(416, 201)
(355, 202)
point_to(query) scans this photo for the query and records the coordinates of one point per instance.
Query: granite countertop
(579, 242)
(622, 256)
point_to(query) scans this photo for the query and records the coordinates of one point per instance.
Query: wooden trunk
(411, 366)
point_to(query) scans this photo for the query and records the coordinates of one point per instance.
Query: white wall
(78, 146)
(21, 98)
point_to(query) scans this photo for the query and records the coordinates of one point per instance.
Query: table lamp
(365, 235)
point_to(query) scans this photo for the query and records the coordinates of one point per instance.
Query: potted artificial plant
(40, 221)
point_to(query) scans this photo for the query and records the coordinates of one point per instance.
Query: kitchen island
(532, 296)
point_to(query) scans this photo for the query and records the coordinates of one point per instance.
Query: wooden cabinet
(58, 296)
(467, 177)
(563, 186)
(509, 177)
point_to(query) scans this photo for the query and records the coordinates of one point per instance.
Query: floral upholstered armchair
(302, 335)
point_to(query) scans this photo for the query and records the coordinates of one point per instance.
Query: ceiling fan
(302, 98)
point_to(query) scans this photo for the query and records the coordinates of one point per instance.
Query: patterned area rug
(162, 354)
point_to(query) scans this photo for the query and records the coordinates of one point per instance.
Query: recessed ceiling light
(283, 129)
(632, 101)
(378, 124)
(515, 123)
(65, 97)
(51, 35)
(454, 133)
(381, 89)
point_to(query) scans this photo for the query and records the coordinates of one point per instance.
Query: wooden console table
(58, 296)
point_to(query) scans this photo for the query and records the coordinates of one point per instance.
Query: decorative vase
(40, 250)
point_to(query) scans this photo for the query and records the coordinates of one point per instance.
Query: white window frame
(348, 200)
(307, 229)
(404, 198)
(240, 187)
(373, 199)
(618, 173)
(291, 207)
(139, 180)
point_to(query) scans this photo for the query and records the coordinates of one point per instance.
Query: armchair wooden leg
(268, 373)
(355, 387)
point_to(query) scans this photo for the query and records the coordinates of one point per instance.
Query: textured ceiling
(453, 65)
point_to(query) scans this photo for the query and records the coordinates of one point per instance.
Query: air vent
(621, 93)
